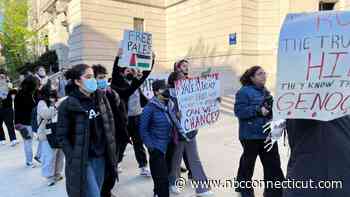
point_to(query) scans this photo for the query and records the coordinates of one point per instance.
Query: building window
(324, 6)
(139, 24)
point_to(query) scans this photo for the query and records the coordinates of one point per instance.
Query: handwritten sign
(146, 87)
(137, 50)
(314, 67)
(197, 99)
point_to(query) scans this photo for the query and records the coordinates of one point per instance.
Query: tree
(16, 37)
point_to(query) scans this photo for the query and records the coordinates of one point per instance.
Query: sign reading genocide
(314, 67)
(198, 101)
(137, 50)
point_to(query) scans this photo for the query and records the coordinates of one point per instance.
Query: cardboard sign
(137, 50)
(313, 79)
(198, 101)
(146, 87)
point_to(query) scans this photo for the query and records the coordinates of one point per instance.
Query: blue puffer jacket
(156, 125)
(249, 100)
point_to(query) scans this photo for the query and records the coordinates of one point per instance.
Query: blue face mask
(102, 84)
(90, 85)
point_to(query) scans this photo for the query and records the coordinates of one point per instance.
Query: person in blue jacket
(158, 122)
(253, 108)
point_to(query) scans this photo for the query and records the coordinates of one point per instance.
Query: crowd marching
(84, 124)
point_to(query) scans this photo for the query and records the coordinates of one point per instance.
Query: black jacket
(319, 151)
(24, 104)
(73, 133)
(123, 88)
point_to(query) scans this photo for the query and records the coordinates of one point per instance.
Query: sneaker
(2, 142)
(30, 164)
(145, 172)
(51, 182)
(13, 143)
(207, 193)
(37, 159)
(58, 178)
(174, 190)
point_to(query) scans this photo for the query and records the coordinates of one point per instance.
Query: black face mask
(129, 77)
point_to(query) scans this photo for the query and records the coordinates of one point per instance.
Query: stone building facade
(88, 31)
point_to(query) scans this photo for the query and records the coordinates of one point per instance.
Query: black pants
(159, 171)
(271, 163)
(140, 152)
(6, 115)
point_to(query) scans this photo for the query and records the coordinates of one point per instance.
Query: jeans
(270, 161)
(95, 176)
(159, 171)
(28, 146)
(39, 150)
(194, 163)
(52, 161)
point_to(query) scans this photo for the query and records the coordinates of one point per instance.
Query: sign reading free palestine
(313, 75)
(137, 50)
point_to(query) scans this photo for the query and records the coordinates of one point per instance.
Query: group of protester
(90, 125)
(86, 130)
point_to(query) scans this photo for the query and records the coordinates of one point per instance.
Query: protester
(120, 119)
(185, 143)
(52, 157)
(85, 129)
(25, 101)
(41, 75)
(6, 109)
(156, 125)
(253, 107)
(126, 82)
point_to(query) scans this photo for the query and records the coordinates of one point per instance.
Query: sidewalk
(219, 149)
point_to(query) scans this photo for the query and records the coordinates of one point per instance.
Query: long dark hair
(75, 73)
(47, 92)
(246, 77)
(30, 84)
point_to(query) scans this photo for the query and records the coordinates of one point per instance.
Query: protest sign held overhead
(314, 67)
(198, 101)
(137, 50)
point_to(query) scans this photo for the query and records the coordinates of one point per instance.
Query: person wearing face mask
(85, 129)
(41, 75)
(126, 82)
(52, 157)
(185, 143)
(6, 109)
(120, 119)
(157, 122)
(25, 101)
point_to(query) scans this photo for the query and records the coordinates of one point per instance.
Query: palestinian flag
(143, 61)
